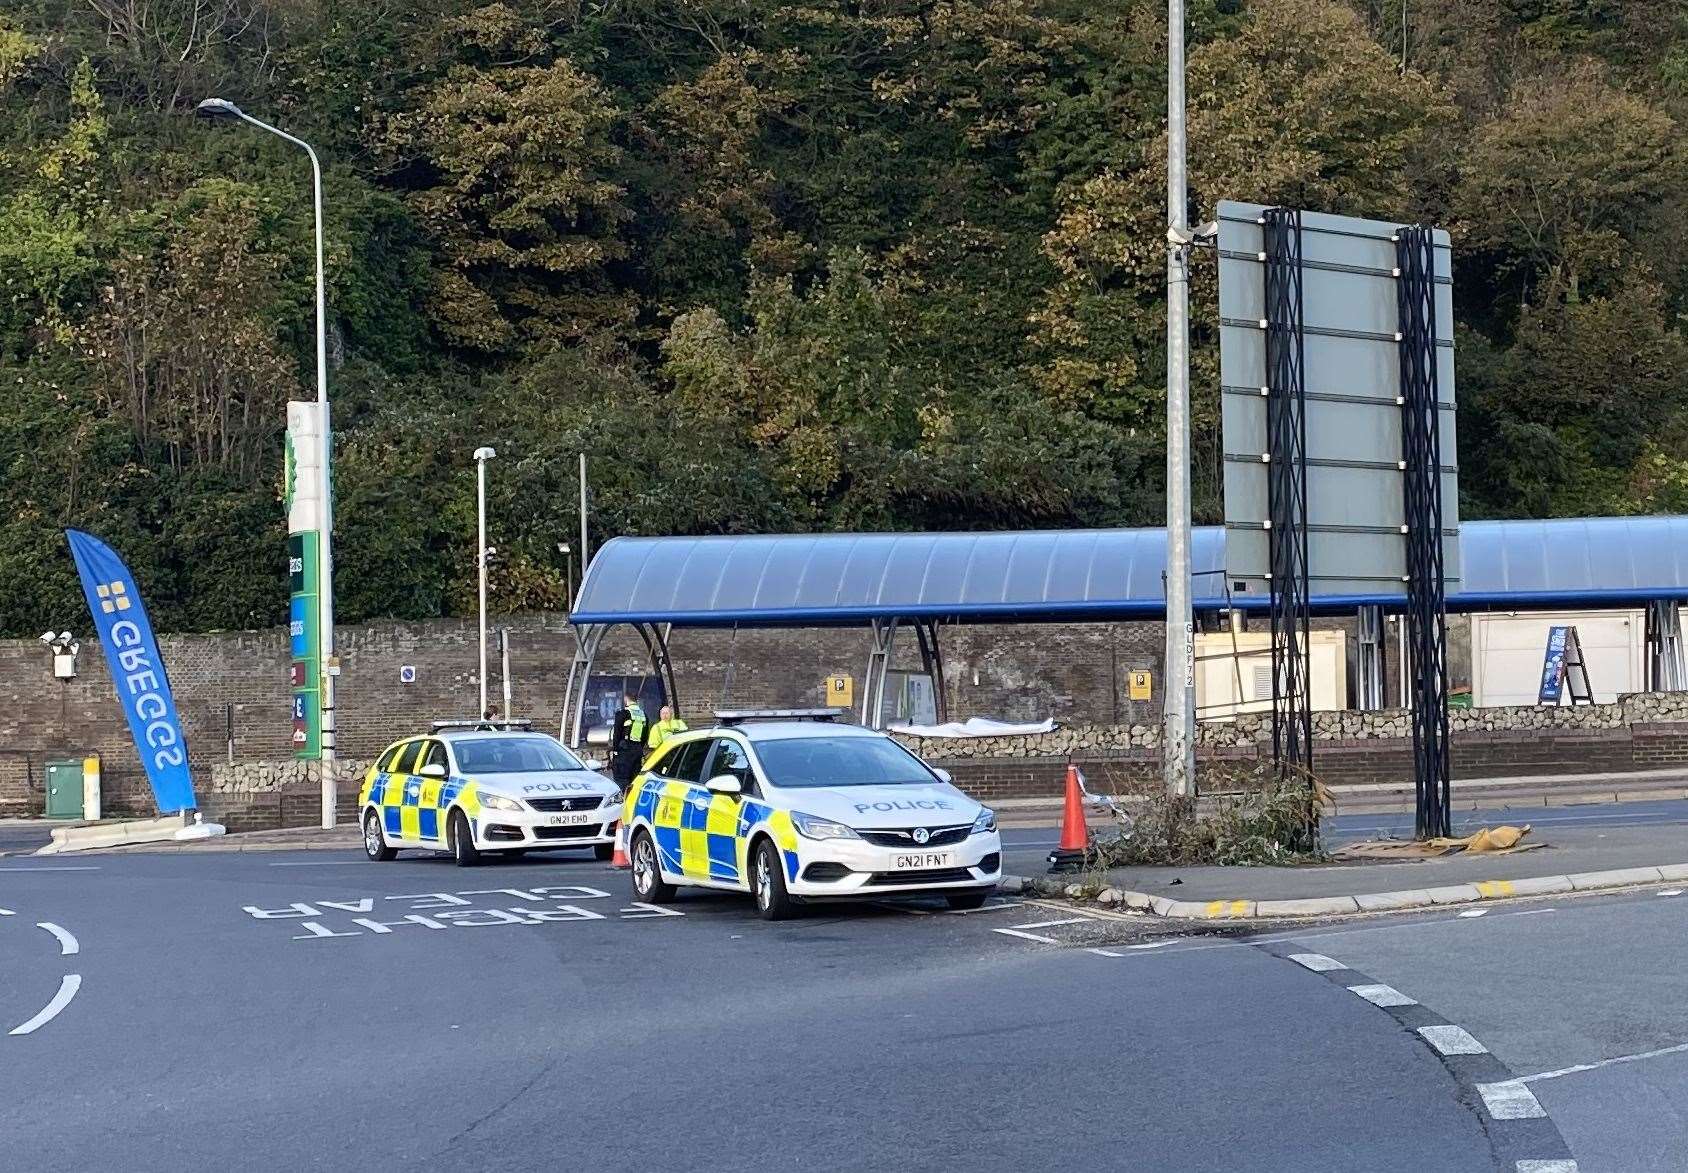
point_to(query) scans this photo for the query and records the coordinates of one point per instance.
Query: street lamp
(482, 455)
(221, 110)
(568, 574)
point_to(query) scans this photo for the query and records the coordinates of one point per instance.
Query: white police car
(792, 806)
(471, 788)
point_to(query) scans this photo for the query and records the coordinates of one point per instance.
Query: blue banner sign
(136, 670)
(1553, 666)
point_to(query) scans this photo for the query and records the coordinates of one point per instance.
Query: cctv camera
(64, 637)
(47, 638)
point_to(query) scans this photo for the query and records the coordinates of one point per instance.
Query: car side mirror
(725, 784)
(593, 764)
(433, 770)
(943, 775)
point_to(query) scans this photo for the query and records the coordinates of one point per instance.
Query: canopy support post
(878, 661)
(932, 663)
(588, 637)
(1664, 646)
(1371, 657)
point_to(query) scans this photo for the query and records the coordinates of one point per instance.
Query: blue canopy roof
(1074, 575)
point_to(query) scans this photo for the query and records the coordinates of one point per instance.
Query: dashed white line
(1452, 1040)
(5, 912)
(68, 986)
(67, 942)
(1510, 1100)
(1382, 995)
(1671, 892)
(1156, 944)
(1472, 913)
(1560, 1166)
(1104, 953)
(1581, 1067)
(1317, 962)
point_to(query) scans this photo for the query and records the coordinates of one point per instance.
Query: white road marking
(1472, 913)
(981, 908)
(318, 863)
(40, 869)
(67, 942)
(1528, 912)
(1510, 1100)
(1671, 892)
(1026, 936)
(1452, 1040)
(1581, 1067)
(68, 986)
(1049, 924)
(1382, 995)
(5, 912)
(1156, 944)
(1317, 962)
(1104, 953)
(1561, 1166)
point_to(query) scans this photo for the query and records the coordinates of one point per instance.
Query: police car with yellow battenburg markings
(794, 805)
(476, 787)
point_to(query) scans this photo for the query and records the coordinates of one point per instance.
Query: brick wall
(236, 682)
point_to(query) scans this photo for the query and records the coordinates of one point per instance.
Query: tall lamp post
(1177, 738)
(222, 110)
(482, 455)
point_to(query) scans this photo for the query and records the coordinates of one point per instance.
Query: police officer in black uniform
(627, 745)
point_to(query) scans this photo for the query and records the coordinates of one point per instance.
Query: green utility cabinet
(64, 790)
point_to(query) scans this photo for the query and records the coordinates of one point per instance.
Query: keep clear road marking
(67, 942)
(68, 986)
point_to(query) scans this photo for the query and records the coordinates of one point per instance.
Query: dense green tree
(770, 265)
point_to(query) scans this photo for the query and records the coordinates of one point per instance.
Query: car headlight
(985, 822)
(613, 799)
(498, 802)
(814, 827)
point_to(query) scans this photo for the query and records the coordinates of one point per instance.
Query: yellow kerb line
(1494, 887)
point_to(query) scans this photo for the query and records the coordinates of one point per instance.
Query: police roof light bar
(734, 716)
(521, 724)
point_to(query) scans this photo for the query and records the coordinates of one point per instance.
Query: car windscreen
(840, 761)
(513, 755)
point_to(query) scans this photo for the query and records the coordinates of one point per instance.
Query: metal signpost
(1337, 383)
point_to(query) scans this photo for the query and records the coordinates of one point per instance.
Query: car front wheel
(463, 849)
(374, 842)
(648, 884)
(768, 884)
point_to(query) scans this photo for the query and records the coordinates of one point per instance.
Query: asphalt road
(316, 1011)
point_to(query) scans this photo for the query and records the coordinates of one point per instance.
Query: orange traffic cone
(1075, 832)
(619, 859)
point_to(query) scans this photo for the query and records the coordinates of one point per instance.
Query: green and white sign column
(304, 493)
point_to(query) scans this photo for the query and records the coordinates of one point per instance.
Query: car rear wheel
(374, 842)
(767, 883)
(648, 884)
(463, 849)
(964, 900)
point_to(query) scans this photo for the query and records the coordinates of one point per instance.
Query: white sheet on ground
(977, 727)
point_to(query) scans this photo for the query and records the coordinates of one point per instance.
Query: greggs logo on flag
(136, 670)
